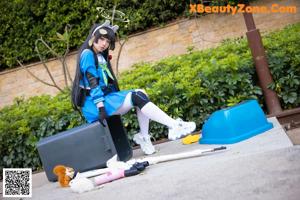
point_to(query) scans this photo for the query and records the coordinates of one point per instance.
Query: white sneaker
(181, 129)
(145, 143)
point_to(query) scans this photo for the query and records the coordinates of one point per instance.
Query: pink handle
(109, 176)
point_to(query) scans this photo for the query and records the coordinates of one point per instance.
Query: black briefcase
(85, 147)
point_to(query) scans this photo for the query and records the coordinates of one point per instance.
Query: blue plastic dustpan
(234, 124)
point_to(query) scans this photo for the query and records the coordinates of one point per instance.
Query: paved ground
(266, 166)
(294, 135)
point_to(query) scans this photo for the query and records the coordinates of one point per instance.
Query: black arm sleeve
(93, 81)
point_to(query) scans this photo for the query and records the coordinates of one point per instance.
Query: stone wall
(154, 44)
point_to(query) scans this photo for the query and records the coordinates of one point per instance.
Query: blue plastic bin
(234, 124)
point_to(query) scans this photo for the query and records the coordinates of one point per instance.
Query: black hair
(110, 35)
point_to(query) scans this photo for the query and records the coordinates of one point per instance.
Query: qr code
(17, 182)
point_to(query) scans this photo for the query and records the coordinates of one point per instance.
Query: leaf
(60, 36)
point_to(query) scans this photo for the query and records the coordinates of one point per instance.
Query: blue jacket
(112, 101)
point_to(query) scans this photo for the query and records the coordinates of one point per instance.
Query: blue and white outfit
(94, 75)
(112, 100)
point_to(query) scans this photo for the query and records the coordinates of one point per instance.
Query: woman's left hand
(102, 115)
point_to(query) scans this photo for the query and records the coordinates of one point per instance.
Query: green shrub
(194, 85)
(283, 49)
(22, 22)
(25, 122)
(190, 86)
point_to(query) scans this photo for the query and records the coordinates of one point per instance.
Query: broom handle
(156, 159)
(178, 156)
(92, 173)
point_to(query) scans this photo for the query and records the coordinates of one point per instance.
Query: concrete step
(266, 166)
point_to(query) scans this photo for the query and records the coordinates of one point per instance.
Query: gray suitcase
(85, 147)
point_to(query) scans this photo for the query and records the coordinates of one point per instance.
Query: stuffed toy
(64, 174)
(81, 184)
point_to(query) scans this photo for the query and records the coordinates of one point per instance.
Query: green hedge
(22, 22)
(25, 122)
(189, 86)
(192, 86)
(283, 49)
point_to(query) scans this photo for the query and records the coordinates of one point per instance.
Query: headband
(105, 24)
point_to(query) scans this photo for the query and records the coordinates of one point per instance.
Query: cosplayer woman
(96, 81)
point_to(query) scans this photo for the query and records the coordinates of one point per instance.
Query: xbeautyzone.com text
(242, 8)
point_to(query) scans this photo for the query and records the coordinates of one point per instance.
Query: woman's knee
(139, 98)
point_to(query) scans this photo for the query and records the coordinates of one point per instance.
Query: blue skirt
(112, 102)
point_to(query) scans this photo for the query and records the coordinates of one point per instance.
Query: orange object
(64, 174)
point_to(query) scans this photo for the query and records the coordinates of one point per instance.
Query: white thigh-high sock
(143, 122)
(155, 113)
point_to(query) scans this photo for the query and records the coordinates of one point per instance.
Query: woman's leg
(126, 106)
(147, 110)
(142, 119)
(177, 128)
(150, 110)
(143, 122)
(155, 113)
(142, 138)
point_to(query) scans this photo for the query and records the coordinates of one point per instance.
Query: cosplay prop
(115, 174)
(241, 121)
(83, 184)
(192, 138)
(117, 169)
(64, 174)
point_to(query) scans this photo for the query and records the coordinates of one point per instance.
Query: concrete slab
(272, 139)
(266, 166)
